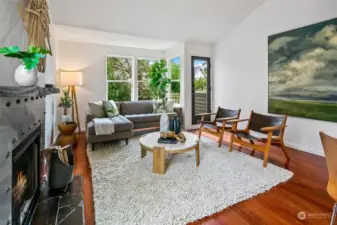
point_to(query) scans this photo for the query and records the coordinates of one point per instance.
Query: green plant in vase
(65, 103)
(26, 74)
(159, 82)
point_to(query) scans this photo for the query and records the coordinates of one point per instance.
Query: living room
(180, 112)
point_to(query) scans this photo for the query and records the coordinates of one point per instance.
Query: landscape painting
(302, 67)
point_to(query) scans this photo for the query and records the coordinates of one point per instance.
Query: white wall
(50, 100)
(241, 64)
(91, 60)
(12, 33)
(192, 49)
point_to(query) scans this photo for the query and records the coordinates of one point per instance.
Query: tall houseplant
(65, 103)
(26, 74)
(159, 82)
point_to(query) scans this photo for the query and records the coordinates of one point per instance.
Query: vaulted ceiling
(173, 20)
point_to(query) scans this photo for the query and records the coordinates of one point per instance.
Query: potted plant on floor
(26, 74)
(159, 83)
(65, 103)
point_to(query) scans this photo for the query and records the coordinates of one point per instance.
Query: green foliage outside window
(119, 69)
(175, 75)
(119, 91)
(143, 71)
(200, 82)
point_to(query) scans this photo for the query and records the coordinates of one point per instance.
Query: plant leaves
(10, 49)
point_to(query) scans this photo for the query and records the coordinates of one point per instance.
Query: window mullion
(134, 85)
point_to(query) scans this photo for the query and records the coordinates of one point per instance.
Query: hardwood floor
(304, 192)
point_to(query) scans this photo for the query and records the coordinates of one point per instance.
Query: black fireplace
(26, 178)
(22, 137)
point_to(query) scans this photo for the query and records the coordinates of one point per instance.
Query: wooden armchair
(330, 151)
(220, 124)
(272, 126)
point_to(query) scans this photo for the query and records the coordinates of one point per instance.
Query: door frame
(208, 60)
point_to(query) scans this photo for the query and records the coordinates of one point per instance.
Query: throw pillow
(96, 109)
(110, 108)
(158, 106)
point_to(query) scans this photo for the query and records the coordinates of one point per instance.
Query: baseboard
(304, 149)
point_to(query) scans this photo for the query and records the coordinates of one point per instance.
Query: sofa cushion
(121, 124)
(136, 107)
(96, 109)
(146, 118)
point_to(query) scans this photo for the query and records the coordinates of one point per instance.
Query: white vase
(66, 118)
(24, 77)
(164, 123)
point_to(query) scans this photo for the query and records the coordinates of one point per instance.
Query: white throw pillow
(96, 109)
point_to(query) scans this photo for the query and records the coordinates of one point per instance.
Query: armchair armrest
(206, 114)
(274, 128)
(238, 120)
(88, 117)
(226, 119)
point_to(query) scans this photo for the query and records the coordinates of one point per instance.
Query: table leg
(158, 160)
(143, 152)
(197, 155)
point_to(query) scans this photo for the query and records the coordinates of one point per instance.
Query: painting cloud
(303, 64)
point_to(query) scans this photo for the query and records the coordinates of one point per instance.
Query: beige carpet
(127, 192)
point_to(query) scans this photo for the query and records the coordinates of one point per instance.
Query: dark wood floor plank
(305, 191)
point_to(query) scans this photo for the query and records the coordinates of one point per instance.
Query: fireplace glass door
(25, 180)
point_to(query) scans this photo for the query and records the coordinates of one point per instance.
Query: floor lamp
(72, 79)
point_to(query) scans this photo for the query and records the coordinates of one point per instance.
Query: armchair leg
(200, 130)
(221, 137)
(240, 146)
(231, 143)
(253, 151)
(127, 141)
(283, 147)
(266, 150)
(265, 157)
(92, 146)
(333, 216)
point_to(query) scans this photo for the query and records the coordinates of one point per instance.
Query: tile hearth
(62, 207)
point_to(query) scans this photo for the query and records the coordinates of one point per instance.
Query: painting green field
(302, 71)
(307, 109)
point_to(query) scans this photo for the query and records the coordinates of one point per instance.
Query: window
(174, 72)
(126, 83)
(119, 78)
(143, 70)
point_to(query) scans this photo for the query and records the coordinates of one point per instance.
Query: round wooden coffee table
(149, 142)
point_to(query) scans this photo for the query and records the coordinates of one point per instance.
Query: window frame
(169, 74)
(134, 77)
(118, 81)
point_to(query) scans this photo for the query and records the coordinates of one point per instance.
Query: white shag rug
(127, 192)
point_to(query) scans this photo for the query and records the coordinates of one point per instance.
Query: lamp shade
(71, 78)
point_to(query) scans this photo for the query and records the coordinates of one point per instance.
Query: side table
(68, 136)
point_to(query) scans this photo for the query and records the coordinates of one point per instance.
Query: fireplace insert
(26, 178)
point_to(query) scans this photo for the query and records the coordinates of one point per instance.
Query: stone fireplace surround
(22, 123)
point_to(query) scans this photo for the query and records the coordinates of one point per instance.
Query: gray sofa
(133, 115)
